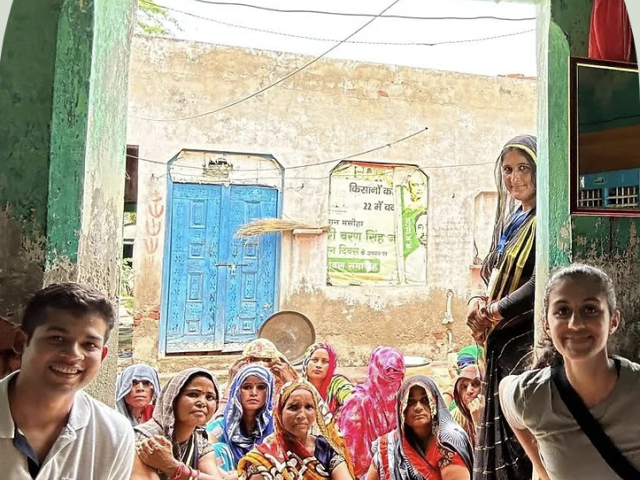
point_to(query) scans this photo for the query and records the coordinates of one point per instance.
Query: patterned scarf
(124, 384)
(163, 420)
(282, 456)
(401, 458)
(234, 436)
(370, 412)
(335, 389)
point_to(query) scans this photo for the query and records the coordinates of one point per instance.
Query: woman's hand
(474, 312)
(478, 320)
(476, 406)
(281, 370)
(157, 453)
(232, 475)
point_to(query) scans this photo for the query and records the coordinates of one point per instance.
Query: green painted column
(64, 209)
(611, 243)
(26, 100)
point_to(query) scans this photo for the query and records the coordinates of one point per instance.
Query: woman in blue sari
(247, 418)
(502, 321)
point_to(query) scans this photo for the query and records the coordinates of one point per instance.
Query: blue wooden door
(220, 288)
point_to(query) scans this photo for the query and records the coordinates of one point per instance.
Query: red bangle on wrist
(179, 472)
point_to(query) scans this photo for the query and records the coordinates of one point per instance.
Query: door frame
(166, 253)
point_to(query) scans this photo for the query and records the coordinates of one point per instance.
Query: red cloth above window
(610, 37)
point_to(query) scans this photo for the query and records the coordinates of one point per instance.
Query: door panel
(193, 279)
(251, 287)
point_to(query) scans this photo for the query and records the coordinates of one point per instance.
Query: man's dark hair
(74, 298)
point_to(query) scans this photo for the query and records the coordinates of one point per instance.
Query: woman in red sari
(319, 368)
(427, 443)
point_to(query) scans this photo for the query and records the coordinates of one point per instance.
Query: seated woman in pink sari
(370, 412)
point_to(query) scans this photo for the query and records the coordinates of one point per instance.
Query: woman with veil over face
(370, 412)
(502, 321)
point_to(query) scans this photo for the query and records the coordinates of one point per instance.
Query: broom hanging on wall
(265, 226)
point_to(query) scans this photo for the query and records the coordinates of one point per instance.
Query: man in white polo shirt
(49, 429)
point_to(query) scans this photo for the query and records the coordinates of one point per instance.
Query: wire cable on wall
(277, 82)
(354, 14)
(325, 162)
(351, 42)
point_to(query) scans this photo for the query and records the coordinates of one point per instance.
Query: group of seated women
(272, 423)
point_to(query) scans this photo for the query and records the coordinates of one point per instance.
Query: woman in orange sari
(292, 452)
(427, 443)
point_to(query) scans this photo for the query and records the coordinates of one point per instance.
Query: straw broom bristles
(265, 226)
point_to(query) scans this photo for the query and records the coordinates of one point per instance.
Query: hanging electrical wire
(277, 82)
(351, 42)
(325, 162)
(354, 14)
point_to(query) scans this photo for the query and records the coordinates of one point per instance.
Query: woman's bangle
(480, 297)
(180, 471)
(493, 318)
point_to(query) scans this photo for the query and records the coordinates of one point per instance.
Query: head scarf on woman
(461, 412)
(335, 389)
(239, 441)
(281, 455)
(512, 241)
(263, 350)
(140, 373)
(400, 456)
(370, 412)
(164, 420)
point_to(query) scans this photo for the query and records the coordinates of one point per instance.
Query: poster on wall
(377, 225)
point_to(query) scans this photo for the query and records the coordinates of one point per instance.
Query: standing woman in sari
(292, 452)
(503, 320)
(371, 411)
(319, 367)
(427, 444)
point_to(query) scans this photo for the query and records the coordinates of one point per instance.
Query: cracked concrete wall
(332, 109)
(64, 73)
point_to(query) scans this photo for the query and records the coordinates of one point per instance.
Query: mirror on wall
(604, 137)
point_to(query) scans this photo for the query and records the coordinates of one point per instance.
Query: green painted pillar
(607, 242)
(63, 94)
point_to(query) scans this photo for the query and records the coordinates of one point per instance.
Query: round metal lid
(291, 332)
(411, 361)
